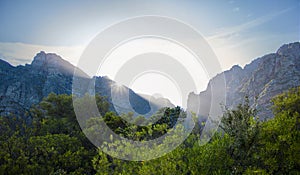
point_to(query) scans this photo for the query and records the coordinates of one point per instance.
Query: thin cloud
(236, 9)
(232, 47)
(21, 53)
(228, 32)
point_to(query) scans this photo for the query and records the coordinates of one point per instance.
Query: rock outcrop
(23, 86)
(261, 80)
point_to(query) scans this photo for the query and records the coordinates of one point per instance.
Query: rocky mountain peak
(23, 86)
(289, 49)
(42, 59)
(235, 69)
(4, 64)
(52, 63)
(261, 80)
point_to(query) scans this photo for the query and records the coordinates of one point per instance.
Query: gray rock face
(261, 80)
(23, 86)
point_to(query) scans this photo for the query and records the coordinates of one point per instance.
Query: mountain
(23, 86)
(261, 80)
(157, 100)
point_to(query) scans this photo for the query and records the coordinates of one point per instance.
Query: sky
(237, 31)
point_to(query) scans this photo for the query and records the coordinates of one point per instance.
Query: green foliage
(242, 127)
(53, 142)
(280, 137)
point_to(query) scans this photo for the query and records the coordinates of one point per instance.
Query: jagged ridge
(23, 86)
(261, 80)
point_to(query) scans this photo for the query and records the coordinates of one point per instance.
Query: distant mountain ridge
(23, 86)
(261, 80)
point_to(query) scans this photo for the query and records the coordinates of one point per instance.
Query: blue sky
(250, 27)
(238, 31)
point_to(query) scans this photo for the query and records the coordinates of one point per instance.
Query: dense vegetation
(53, 143)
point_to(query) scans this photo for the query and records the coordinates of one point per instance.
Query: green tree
(280, 136)
(242, 126)
(52, 144)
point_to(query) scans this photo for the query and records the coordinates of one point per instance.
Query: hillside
(262, 79)
(23, 86)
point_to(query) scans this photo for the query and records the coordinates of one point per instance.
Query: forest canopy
(53, 142)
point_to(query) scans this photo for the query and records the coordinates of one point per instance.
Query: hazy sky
(238, 31)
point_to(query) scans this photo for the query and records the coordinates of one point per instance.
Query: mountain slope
(23, 86)
(261, 80)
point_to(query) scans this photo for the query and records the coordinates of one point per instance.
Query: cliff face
(261, 80)
(23, 86)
